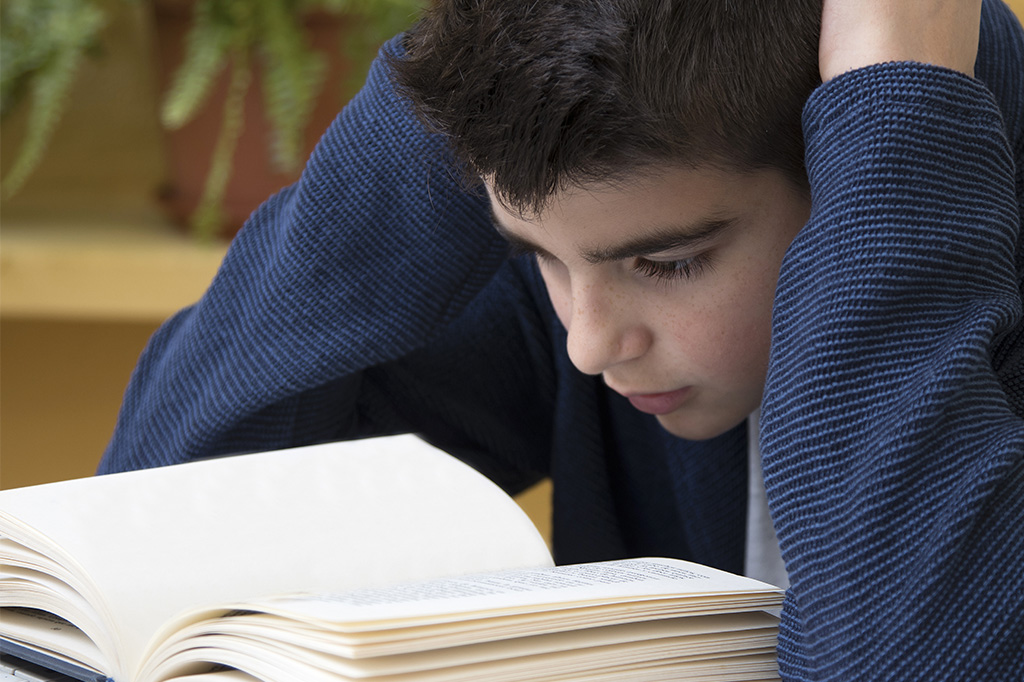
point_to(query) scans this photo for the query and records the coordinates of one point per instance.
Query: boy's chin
(703, 427)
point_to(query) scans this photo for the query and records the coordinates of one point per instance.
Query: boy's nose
(604, 330)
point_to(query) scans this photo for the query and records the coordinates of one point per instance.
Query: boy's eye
(687, 268)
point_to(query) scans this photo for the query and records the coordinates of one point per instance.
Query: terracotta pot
(189, 148)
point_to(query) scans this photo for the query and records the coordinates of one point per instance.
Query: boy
(682, 267)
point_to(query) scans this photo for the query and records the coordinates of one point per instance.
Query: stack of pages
(382, 560)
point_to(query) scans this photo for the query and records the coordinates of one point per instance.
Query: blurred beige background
(89, 267)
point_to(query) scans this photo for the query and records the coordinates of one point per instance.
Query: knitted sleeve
(893, 423)
(368, 257)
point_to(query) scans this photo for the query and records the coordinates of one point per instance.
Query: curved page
(322, 518)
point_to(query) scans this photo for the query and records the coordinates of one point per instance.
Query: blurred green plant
(233, 32)
(43, 42)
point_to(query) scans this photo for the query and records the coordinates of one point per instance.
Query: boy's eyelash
(685, 268)
(517, 251)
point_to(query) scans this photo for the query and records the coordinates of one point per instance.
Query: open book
(382, 560)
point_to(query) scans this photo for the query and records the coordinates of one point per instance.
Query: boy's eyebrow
(665, 239)
(520, 245)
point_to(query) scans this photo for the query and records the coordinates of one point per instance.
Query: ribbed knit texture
(373, 297)
(893, 453)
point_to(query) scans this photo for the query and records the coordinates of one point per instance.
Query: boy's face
(665, 285)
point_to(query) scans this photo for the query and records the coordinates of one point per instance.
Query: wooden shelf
(118, 268)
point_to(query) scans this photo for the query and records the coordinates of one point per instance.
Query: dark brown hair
(541, 95)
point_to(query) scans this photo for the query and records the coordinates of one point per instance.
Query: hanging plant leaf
(292, 79)
(43, 43)
(206, 54)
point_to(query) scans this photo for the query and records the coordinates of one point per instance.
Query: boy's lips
(659, 403)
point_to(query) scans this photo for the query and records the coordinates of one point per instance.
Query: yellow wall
(62, 385)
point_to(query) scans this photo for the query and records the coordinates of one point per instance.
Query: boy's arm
(366, 258)
(893, 423)
(857, 33)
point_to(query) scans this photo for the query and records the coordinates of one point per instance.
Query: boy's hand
(856, 33)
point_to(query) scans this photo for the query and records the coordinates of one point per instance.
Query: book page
(518, 591)
(476, 608)
(574, 655)
(319, 519)
(68, 642)
(19, 586)
(700, 636)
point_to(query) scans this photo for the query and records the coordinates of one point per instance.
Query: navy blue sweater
(374, 297)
